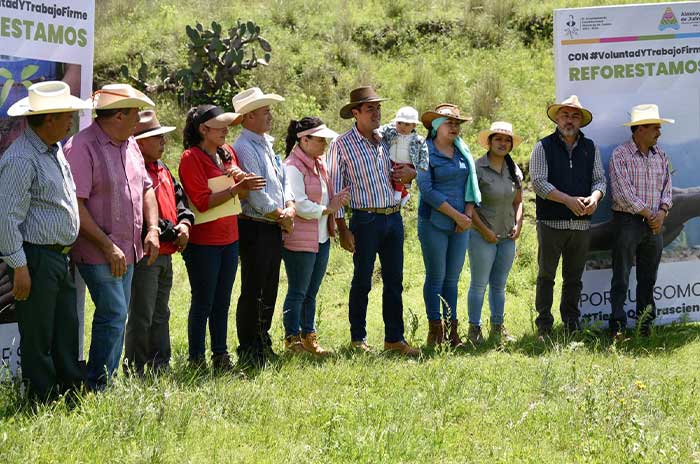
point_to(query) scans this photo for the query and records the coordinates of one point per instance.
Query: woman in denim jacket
(449, 191)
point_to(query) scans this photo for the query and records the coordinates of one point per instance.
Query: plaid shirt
(539, 173)
(639, 181)
(365, 167)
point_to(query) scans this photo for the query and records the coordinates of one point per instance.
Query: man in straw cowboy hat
(640, 180)
(568, 177)
(265, 214)
(358, 161)
(147, 338)
(40, 222)
(115, 197)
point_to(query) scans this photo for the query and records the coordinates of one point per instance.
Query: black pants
(147, 338)
(48, 325)
(261, 256)
(572, 246)
(634, 239)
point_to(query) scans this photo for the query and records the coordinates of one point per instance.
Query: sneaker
(474, 335)
(405, 199)
(360, 346)
(292, 344)
(397, 195)
(310, 344)
(500, 334)
(401, 347)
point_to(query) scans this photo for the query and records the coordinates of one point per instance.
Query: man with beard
(358, 160)
(569, 180)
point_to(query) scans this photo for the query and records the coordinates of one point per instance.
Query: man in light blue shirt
(266, 213)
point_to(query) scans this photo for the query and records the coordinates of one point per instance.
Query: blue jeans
(111, 296)
(490, 264)
(377, 234)
(305, 271)
(211, 270)
(443, 256)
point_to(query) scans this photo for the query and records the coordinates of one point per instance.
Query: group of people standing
(106, 204)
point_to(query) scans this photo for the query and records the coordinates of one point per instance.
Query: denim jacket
(445, 180)
(418, 148)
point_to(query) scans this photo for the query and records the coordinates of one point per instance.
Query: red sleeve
(194, 180)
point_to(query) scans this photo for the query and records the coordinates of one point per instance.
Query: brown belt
(386, 211)
(264, 221)
(63, 249)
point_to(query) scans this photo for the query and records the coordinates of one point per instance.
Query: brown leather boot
(436, 333)
(455, 340)
(310, 344)
(500, 334)
(292, 344)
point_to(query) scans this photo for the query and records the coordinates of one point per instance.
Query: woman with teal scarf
(449, 191)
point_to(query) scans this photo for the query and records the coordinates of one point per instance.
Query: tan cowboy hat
(498, 127)
(571, 102)
(647, 114)
(48, 97)
(148, 126)
(115, 96)
(359, 96)
(443, 110)
(252, 99)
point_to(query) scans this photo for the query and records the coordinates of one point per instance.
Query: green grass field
(569, 400)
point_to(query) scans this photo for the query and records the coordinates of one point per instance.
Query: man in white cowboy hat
(640, 182)
(115, 198)
(265, 214)
(40, 222)
(147, 338)
(569, 180)
(359, 162)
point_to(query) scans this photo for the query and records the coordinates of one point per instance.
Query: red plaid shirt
(639, 181)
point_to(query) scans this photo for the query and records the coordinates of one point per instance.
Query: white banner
(614, 58)
(39, 41)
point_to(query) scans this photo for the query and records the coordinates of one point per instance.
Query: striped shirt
(639, 181)
(539, 173)
(255, 154)
(37, 198)
(355, 162)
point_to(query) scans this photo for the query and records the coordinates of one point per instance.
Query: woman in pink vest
(306, 248)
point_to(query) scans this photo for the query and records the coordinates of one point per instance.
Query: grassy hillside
(571, 400)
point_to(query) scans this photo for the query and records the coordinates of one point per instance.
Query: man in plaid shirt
(640, 180)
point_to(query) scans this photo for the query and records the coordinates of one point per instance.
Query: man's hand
(591, 203)
(403, 173)
(5, 286)
(151, 245)
(656, 221)
(22, 283)
(116, 259)
(576, 205)
(183, 236)
(347, 240)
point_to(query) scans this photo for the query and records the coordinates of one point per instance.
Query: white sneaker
(405, 199)
(397, 195)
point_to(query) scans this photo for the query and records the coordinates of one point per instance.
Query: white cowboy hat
(408, 115)
(252, 99)
(148, 126)
(319, 131)
(114, 96)
(498, 127)
(647, 114)
(571, 102)
(48, 97)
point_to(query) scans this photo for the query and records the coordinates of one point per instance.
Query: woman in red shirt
(211, 256)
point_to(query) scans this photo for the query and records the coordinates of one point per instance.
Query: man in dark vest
(569, 180)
